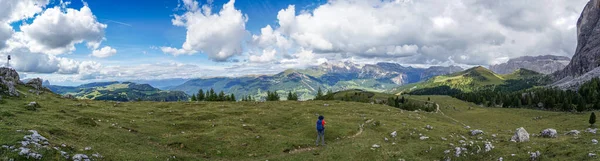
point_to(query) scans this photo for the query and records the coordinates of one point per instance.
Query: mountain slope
(119, 91)
(545, 64)
(476, 78)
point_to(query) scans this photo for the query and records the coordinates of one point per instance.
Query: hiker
(321, 130)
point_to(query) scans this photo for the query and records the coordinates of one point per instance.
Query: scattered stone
(64, 154)
(521, 135)
(534, 155)
(573, 132)
(97, 155)
(513, 155)
(443, 138)
(33, 104)
(325, 105)
(476, 132)
(488, 146)
(446, 151)
(549, 133)
(494, 135)
(385, 138)
(375, 146)
(594, 141)
(429, 127)
(68, 96)
(467, 127)
(591, 155)
(590, 130)
(500, 159)
(87, 148)
(80, 157)
(457, 151)
(394, 134)
(424, 137)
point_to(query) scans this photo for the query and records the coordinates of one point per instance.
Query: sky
(75, 42)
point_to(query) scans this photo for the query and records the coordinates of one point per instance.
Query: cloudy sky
(74, 42)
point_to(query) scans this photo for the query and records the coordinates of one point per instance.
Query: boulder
(488, 146)
(36, 83)
(476, 132)
(594, 141)
(573, 132)
(375, 146)
(394, 134)
(549, 133)
(521, 135)
(424, 137)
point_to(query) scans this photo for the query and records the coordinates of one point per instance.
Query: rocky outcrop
(549, 133)
(587, 53)
(36, 83)
(8, 79)
(545, 64)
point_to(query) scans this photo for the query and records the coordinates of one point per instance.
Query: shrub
(592, 118)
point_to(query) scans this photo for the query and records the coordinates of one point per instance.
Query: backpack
(320, 125)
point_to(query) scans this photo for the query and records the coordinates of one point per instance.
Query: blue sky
(74, 42)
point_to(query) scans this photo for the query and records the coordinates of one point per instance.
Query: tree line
(211, 95)
(584, 99)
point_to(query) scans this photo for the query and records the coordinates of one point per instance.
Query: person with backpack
(321, 130)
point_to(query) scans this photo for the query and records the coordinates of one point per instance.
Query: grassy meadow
(284, 130)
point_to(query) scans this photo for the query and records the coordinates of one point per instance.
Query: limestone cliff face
(545, 64)
(587, 53)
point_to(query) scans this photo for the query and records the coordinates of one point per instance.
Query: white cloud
(429, 31)
(57, 32)
(267, 56)
(219, 35)
(15, 10)
(104, 52)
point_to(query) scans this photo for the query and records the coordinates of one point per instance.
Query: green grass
(216, 131)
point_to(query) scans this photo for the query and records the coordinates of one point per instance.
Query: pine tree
(592, 119)
(221, 96)
(200, 96)
(193, 98)
(290, 97)
(232, 97)
(319, 94)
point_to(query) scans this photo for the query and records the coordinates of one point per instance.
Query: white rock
(549, 133)
(573, 132)
(376, 146)
(87, 148)
(488, 146)
(80, 157)
(594, 141)
(424, 137)
(429, 127)
(476, 132)
(494, 135)
(534, 155)
(513, 155)
(443, 138)
(521, 135)
(446, 151)
(590, 130)
(386, 139)
(591, 155)
(500, 159)
(394, 134)
(457, 151)
(467, 127)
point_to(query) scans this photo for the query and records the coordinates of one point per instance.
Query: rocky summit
(8, 79)
(545, 64)
(587, 53)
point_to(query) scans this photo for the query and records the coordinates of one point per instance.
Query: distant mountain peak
(544, 64)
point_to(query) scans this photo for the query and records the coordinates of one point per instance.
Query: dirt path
(438, 110)
(360, 131)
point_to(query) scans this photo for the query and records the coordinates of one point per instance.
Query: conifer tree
(592, 119)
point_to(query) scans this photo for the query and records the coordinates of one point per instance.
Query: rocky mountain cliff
(587, 53)
(545, 64)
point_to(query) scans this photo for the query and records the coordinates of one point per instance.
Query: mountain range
(327, 76)
(545, 64)
(118, 91)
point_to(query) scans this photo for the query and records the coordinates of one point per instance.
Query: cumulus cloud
(430, 31)
(57, 32)
(219, 35)
(11, 11)
(267, 56)
(104, 52)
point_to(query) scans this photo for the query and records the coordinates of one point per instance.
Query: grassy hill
(282, 130)
(119, 91)
(473, 79)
